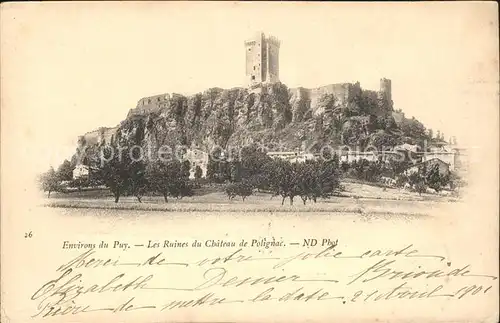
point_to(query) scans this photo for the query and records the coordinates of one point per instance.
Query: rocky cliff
(272, 114)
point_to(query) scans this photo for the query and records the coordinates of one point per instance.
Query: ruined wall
(155, 99)
(150, 104)
(371, 94)
(301, 99)
(341, 91)
(239, 116)
(99, 136)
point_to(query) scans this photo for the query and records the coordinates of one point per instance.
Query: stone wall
(341, 91)
(99, 136)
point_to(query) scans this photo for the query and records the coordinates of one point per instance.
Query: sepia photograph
(249, 162)
(332, 147)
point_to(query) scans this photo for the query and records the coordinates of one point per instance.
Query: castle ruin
(344, 92)
(262, 67)
(262, 59)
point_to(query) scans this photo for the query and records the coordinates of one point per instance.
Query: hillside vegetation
(276, 117)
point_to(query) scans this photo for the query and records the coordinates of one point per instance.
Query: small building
(292, 156)
(445, 153)
(351, 156)
(302, 157)
(407, 147)
(444, 168)
(81, 171)
(197, 157)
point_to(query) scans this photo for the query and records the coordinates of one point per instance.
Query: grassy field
(358, 198)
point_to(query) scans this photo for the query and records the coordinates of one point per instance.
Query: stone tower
(385, 94)
(262, 59)
(386, 88)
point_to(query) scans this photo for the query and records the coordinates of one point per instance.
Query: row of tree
(309, 180)
(421, 179)
(430, 177)
(253, 169)
(372, 171)
(125, 174)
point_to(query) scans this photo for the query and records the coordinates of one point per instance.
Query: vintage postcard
(249, 162)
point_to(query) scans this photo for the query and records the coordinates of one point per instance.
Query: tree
(373, 172)
(186, 168)
(365, 104)
(344, 166)
(49, 181)
(328, 178)
(417, 179)
(252, 161)
(218, 169)
(235, 171)
(65, 171)
(413, 128)
(198, 172)
(360, 168)
(397, 167)
(162, 177)
(380, 122)
(283, 179)
(430, 134)
(308, 181)
(401, 180)
(212, 169)
(243, 189)
(80, 182)
(440, 136)
(181, 187)
(420, 187)
(120, 170)
(260, 181)
(137, 185)
(383, 139)
(390, 123)
(224, 171)
(436, 180)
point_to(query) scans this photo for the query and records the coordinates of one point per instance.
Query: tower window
(253, 77)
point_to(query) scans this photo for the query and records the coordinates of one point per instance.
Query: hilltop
(272, 114)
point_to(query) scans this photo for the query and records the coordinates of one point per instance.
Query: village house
(444, 168)
(197, 157)
(81, 172)
(351, 156)
(292, 156)
(450, 154)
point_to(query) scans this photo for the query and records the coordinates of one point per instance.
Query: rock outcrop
(271, 114)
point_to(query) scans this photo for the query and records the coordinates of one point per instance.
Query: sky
(69, 68)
